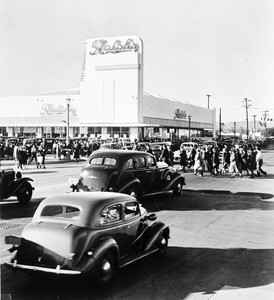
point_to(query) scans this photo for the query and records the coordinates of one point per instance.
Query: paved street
(221, 243)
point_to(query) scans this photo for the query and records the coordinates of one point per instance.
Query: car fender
(90, 257)
(15, 186)
(174, 180)
(157, 230)
(126, 186)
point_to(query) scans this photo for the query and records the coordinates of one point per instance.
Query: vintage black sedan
(89, 234)
(135, 173)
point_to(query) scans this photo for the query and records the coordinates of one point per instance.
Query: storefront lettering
(50, 109)
(179, 114)
(103, 47)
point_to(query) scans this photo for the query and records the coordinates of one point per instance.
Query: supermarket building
(110, 102)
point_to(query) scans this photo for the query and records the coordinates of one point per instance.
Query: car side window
(131, 210)
(130, 164)
(111, 214)
(140, 162)
(150, 161)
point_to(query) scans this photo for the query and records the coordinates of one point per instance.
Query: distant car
(157, 148)
(142, 146)
(136, 173)
(127, 145)
(187, 146)
(88, 234)
(110, 146)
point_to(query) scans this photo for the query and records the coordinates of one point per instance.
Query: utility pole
(265, 115)
(208, 96)
(220, 124)
(234, 129)
(246, 105)
(254, 116)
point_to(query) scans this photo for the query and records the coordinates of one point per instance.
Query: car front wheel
(178, 188)
(163, 246)
(25, 193)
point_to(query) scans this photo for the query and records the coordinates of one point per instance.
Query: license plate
(13, 240)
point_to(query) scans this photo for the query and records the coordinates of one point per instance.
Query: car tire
(24, 194)
(163, 246)
(178, 188)
(106, 268)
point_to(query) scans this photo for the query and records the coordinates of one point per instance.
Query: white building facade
(110, 102)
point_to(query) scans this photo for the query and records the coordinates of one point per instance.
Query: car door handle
(126, 226)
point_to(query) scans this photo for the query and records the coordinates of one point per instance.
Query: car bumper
(28, 268)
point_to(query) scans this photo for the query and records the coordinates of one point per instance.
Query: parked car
(110, 146)
(135, 173)
(188, 146)
(13, 184)
(127, 145)
(89, 234)
(157, 148)
(142, 146)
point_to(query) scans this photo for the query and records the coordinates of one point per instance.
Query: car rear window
(61, 211)
(107, 161)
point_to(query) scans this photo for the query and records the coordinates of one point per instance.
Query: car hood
(98, 178)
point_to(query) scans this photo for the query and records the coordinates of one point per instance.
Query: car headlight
(71, 255)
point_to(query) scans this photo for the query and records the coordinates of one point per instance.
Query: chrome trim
(57, 270)
(139, 257)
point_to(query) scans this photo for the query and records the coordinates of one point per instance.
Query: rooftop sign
(104, 46)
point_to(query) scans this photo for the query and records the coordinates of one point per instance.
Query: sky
(192, 48)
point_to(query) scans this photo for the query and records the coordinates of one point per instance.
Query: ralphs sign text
(102, 46)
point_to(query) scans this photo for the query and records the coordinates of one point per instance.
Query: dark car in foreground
(13, 184)
(135, 173)
(89, 234)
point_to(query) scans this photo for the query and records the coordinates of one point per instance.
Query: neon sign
(103, 47)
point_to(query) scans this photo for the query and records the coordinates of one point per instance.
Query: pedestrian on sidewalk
(16, 154)
(239, 163)
(183, 159)
(259, 162)
(22, 157)
(251, 161)
(225, 159)
(41, 155)
(199, 163)
(215, 162)
(233, 167)
(33, 154)
(244, 157)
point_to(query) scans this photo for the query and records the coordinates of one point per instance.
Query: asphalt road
(221, 245)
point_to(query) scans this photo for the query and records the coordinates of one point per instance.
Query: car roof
(118, 153)
(90, 203)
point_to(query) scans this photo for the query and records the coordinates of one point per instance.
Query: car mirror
(152, 217)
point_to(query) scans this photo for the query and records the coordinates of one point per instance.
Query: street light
(189, 119)
(68, 100)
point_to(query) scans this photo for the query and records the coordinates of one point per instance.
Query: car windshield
(61, 211)
(107, 161)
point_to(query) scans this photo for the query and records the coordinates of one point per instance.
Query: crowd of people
(234, 160)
